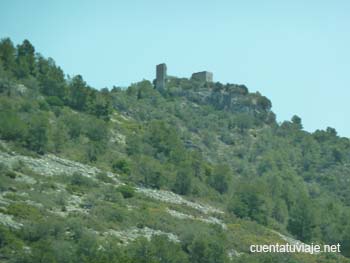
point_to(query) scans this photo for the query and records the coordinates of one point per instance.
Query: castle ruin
(161, 76)
(204, 76)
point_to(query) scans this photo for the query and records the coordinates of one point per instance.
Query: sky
(297, 53)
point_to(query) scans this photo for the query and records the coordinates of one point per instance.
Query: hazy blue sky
(297, 52)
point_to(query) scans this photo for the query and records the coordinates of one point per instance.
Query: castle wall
(204, 76)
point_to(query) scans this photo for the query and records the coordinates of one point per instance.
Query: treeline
(24, 65)
(35, 100)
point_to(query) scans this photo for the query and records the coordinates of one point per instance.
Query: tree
(296, 120)
(205, 249)
(25, 60)
(101, 105)
(346, 242)
(183, 182)
(251, 199)
(12, 127)
(303, 219)
(148, 171)
(219, 178)
(7, 54)
(79, 93)
(51, 78)
(37, 137)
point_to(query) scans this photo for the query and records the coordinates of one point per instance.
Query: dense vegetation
(208, 141)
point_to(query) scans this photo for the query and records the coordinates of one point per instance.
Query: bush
(54, 101)
(127, 191)
(12, 127)
(121, 166)
(111, 194)
(24, 211)
(183, 183)
(80, 183)
(11, 174)
(37, 136)
(5, 171)
(104, 178)
(81, 180)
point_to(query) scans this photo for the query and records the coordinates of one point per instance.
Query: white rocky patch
(234, 253)
(129, 235)
(209, 220)
(51, 165)
(73, 205)
(172, 198)
(290, 240)
(7, 220)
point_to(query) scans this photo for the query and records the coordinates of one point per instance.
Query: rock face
(232, 98)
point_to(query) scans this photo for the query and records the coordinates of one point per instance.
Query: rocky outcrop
(129, 235)
(209, 220)
(50, 165)
(172, 198)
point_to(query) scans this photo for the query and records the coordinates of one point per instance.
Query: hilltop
(195, 172)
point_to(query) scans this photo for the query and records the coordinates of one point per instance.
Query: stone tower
(161, 76)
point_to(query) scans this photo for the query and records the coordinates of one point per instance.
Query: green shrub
(11, 174)
(121, 166)
(12, 127)
(24, 211)
(6, 171)
(81, 180)
(126, 190)
(111, 194)
(104, 178)
(54, 101)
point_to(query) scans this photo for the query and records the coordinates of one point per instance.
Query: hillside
(196, 173)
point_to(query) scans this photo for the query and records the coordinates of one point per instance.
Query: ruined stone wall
(204, 76)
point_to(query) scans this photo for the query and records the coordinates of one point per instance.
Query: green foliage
(37, 137)
(54, 101)
(148, 172)
(52, 82)
(183, 182)
(158, 250)
(79, 93)
(12, 126)
(121, 165)
(25, 60)
(219, 178)
(104, 178)
(24, 211)
(304, 220)
(7, 54)
(251, 200)
(126, 190)
(81, 180)
(205, 249)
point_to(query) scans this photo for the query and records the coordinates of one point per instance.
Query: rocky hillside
(196, 173)
(43, 192)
